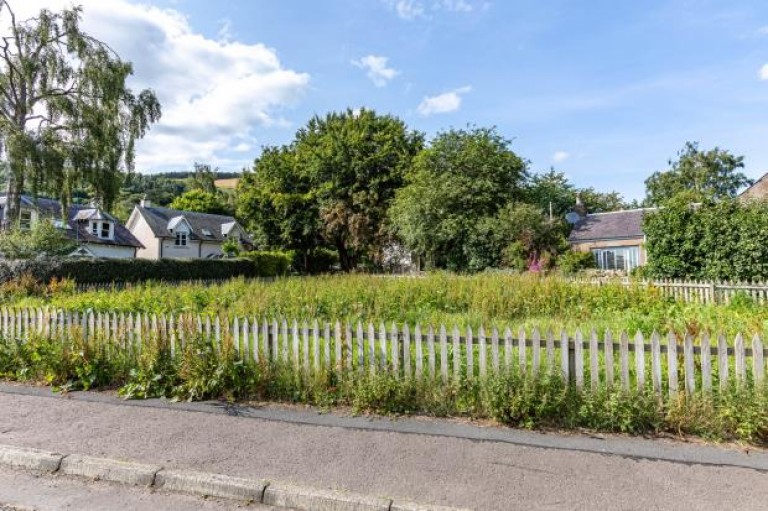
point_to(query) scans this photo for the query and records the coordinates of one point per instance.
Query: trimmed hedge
(100, 271)
(271, 263)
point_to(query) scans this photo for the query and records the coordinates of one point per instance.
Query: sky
(604, 91)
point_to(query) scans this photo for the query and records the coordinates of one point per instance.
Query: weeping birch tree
(67, 116)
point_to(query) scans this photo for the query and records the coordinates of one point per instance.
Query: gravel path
(422, 468)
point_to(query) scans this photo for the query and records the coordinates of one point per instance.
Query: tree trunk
(13, 199)
(347, 261)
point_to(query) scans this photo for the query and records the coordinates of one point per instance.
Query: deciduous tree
(200, 201)
(705, 175)
(332, 186)
(66, 113)
(463, 178)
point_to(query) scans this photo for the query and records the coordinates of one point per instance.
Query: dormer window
(181, 239)
(102, 229)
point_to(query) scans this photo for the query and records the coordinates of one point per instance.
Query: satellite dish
(572, 218)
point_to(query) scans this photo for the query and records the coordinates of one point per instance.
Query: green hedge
(270, 263)
(724, 240)
(136, 270)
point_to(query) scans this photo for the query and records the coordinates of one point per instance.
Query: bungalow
(615, 238)
(172, 234)
(97, 233)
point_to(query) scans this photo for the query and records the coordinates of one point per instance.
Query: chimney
(145, 203)
(580, 208)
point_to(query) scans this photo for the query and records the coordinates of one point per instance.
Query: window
(25, 220)
(102, 230)
(181, 239)
(618, 258)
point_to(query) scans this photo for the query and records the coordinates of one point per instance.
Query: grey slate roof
(158, 219)
(79, 231)
(607, 226)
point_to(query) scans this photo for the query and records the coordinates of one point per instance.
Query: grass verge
(202, 371)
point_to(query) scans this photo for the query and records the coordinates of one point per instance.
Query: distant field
(227, 184)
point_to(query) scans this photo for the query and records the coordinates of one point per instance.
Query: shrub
(270, 264)
(100, 271)
(44, 239)
(724, 240)
(319, 260)
(574, 261)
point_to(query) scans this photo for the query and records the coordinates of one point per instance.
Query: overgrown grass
(204, 371)
(486, 299)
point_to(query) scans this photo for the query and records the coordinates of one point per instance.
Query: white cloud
(442, 103)
(764, 72)
(560, 156)
(214, 93)
(377, 70)
(414, 9)
(407, 9)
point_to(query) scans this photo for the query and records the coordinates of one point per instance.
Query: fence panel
(401, 351)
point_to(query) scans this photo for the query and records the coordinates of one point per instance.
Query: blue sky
(605, 91)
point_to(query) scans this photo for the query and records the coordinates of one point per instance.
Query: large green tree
(332, 186)
(66, 114)
(463, 178)
(552, 188)
(200, 201)
(703, 175)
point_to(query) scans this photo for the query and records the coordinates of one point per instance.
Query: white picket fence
(665, 364)
(119, 285)
(694, 291)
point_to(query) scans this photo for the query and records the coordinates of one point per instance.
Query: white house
(97, 233)
(172, 234)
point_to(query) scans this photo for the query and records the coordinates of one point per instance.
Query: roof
(201, 224)
(79, 229)
(617, 225)
(757, 190)
(48, 207)
(78, 221)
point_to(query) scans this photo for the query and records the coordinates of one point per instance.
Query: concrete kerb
(30, 459)
(201, 484)
(212, 485)
(125, 472)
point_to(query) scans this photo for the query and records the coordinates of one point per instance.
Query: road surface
(430, 467)
(23, 491)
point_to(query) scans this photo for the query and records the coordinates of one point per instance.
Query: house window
(25, 220)
(102, 230)
(618, 258)
(181, 239)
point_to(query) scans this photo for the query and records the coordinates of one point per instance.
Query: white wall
(141, 230)
(110, 251)
(171, 251)
(210, 248)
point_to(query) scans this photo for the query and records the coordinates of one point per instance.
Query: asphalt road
(422, 467)
(22, 491)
